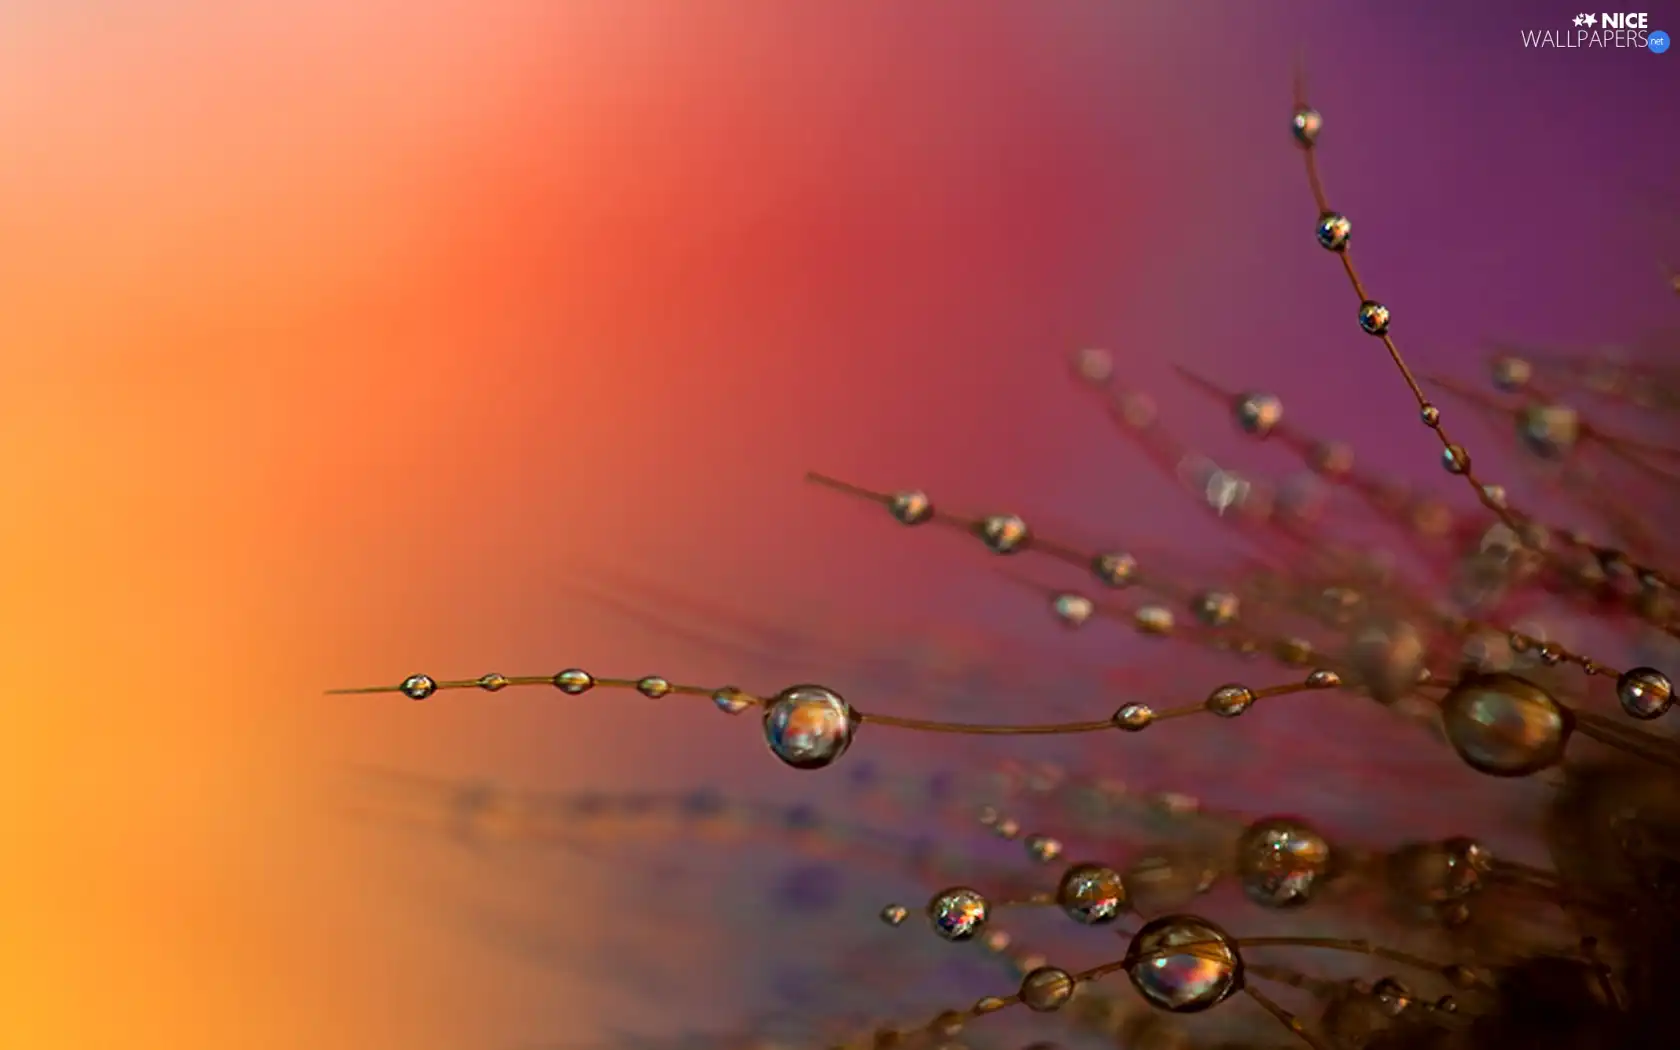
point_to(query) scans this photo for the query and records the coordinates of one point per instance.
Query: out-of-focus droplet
(1216, 608)
(1043, 848)
(1549, 431)
(1258, 414)
(1281, 861)
(911, 507)
(1154, 620)
(1115, 569)
(1073, 609)
(1003, 533)
(1305, 124)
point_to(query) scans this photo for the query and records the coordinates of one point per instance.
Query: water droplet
(1334, 231)
(1043, 848)
(1184, 964)
(1091, 894)
(1134, 716)
(1003, 533)
(1046, 989)
(1644, 692)
(1504, 725)
(957, 914)
(1229, 701)
(1216, 608)
(1116, 569)
(809, 726)
(1281, 861)
(574, 682)
(1257, 414)
(911, 507)
(1374, 317)
(730, 700)
(1305, 125)
(1073, 609)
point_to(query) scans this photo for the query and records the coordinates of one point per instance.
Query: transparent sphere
(1229, 701)
(1511, 373)
(1455, 460)
(1429, 873)
(1305, 124)
(1091, 894)
(1153, 620)
(1392, 996)
(1293, 651)
(894, 914)
(1169, 879)
(1374, 317)
(1505, 726)
(1094, 366)
(1046, 989)
(1216, 608)
(1385, 659)
(653, 687)
(1115, 569)
(1332, 459)
(1549, 431)
(1334, 231)
(957, 914)
(1184, 964)
(1003, 533)
(1134, 716)
(809, 726)
(1043, 848)
(911, 507)
(574, 681)
(1644, 692)
(418, 686)
(730, 700)
(493, 683)
(1257, 414)
(1073, 609)
(1281, 861)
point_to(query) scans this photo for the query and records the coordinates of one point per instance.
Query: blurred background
(343, 341)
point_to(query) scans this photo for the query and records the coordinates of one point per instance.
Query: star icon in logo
(1592, 20)
(1580, 20)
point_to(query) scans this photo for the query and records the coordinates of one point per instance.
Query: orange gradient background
(338, 340)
